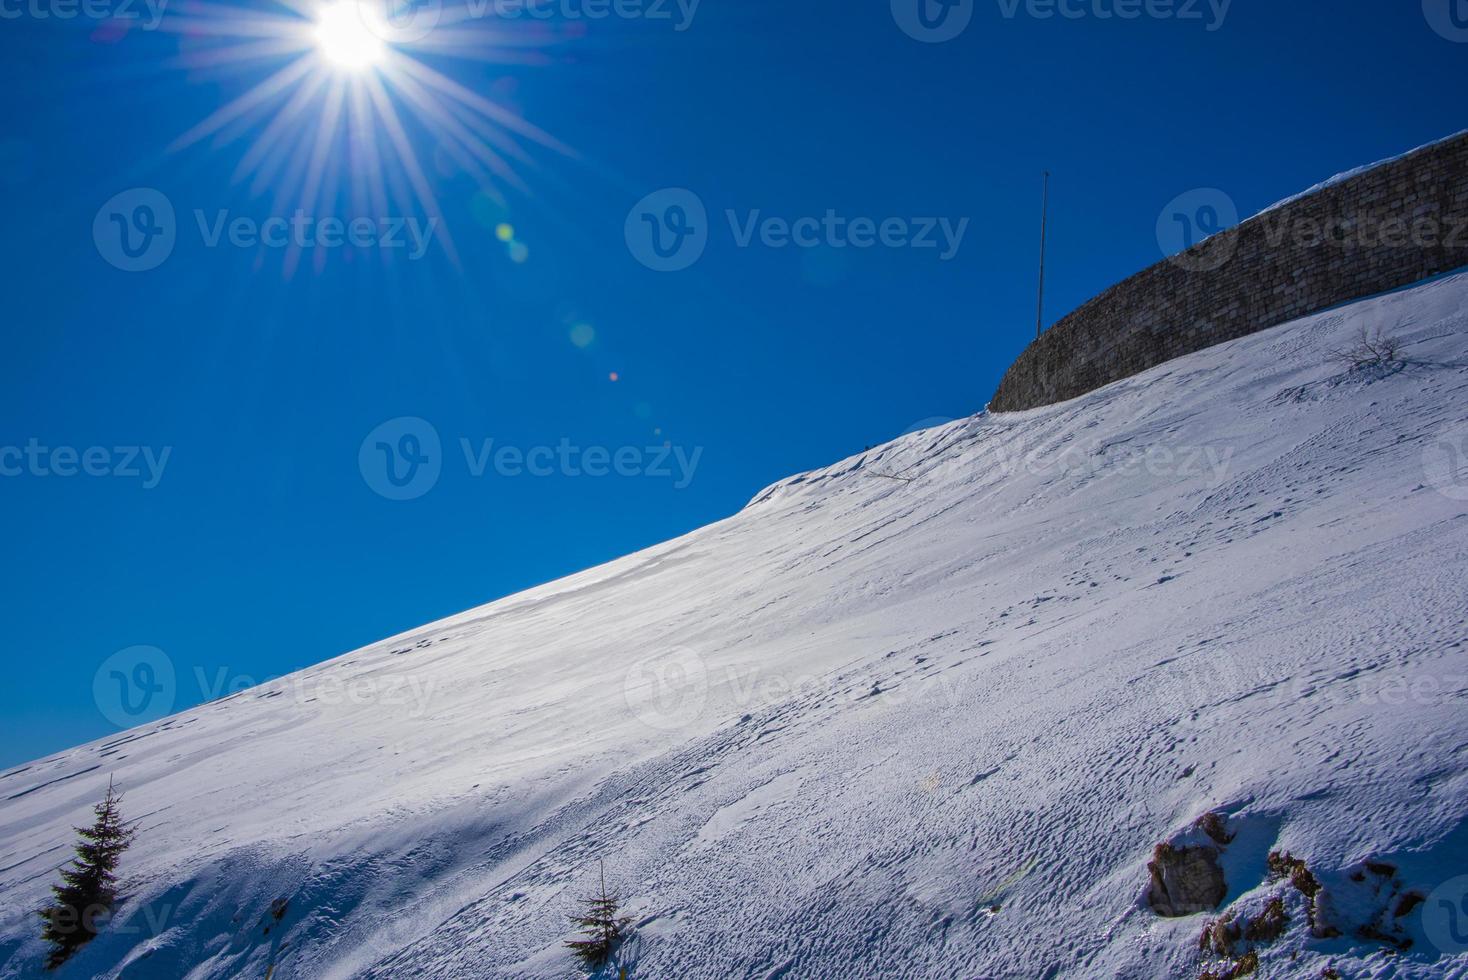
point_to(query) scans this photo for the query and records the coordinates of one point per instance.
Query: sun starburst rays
(340, 102)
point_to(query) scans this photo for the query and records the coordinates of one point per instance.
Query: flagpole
(1044, 218)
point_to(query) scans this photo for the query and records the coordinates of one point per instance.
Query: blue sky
(248, 389)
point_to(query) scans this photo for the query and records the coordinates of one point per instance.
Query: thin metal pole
(1044, 219)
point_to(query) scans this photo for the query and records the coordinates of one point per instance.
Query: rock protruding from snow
(1185, 880)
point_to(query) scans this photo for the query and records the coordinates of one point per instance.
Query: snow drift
(924, 713)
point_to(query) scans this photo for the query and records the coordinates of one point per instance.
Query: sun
(343, 96)
(346, 37)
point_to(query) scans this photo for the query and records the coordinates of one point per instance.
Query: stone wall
(1390, 226)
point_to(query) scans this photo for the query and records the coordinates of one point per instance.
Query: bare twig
(1371, 349)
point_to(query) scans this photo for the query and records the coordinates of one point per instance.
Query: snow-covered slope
(924, 713)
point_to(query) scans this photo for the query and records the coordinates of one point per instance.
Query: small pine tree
(601, 924)
(88, 888)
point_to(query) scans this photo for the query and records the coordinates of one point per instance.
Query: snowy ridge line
(1346, 175)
